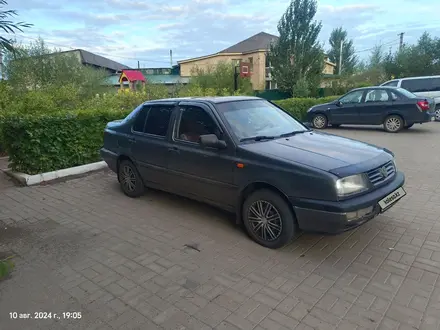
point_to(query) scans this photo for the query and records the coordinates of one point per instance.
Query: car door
(199, 172)
(346, 111)
(149, 142)
(376, 103)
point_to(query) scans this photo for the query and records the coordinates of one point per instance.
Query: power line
(391, 43)
(98, 53)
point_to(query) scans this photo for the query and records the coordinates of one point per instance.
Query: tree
(37, 67)
(9, 27)
(377, 57)
(219, 78)
(298, 56)
(421, 59)
(349, 59)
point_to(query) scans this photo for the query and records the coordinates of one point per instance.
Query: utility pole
(236, 74)
(340, 57)
(139, 66)
(1, 65)
(401, 40)
(171, 58)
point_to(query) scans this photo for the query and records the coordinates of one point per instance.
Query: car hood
(338, 155)
(323, 106)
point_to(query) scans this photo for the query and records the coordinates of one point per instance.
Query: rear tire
(130, 180)
(268, 219)
(393, 124)
(319, 121)
(409, 126)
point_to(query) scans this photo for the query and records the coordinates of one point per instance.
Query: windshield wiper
(258, 138)
(294, 133)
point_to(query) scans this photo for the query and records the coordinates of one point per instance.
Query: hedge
(298, 106)
(51, 141)
(43, 143)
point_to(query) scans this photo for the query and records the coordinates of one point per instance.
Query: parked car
(394, 108)
(248, 156)
(427, 86)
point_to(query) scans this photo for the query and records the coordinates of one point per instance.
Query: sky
(129, 31)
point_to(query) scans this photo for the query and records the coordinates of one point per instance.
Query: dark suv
(248, 156)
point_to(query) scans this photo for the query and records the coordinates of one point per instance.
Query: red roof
(133, 75)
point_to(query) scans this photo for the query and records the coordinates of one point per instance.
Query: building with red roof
(132, 77)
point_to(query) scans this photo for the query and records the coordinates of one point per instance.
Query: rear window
(418, 85)
(392, 83)
(406, 93)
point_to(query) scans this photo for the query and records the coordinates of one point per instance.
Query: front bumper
(333, 217)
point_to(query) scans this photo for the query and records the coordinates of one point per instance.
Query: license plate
(392, 198)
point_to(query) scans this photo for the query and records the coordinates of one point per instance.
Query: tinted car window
(353, 97)
(252, 118)
(194, 122)
(139, 121)
(158, 120)
(417, 85)
(377, 95)
(393, 83)
(435, 85)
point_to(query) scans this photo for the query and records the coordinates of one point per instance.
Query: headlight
(351, 185)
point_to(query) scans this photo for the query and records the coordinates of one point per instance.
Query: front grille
(382, 173)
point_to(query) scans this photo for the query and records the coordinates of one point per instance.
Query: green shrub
(53, 141)
(298, 106)
(42, 140)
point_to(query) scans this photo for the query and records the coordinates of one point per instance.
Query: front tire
(130, 180)
(268, 219)
(393, 124)
(319, 121)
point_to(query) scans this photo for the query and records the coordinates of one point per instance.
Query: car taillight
(423, 105)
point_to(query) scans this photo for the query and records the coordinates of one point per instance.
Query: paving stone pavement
(82, 246)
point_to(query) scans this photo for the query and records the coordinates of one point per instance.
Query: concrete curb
(31, 180)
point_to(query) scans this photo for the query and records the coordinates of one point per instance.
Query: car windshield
(258, 119)
(406, 93)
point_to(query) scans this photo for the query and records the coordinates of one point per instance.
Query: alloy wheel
(437, 114)
(319, 122)
(265, 220)
(128, 178)
(393, 124)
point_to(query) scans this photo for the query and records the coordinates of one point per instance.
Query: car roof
(211, 99)
(374, 87)
(419, 77)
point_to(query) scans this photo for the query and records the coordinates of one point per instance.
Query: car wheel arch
(394, 114)
(252, 187)
(119, 160)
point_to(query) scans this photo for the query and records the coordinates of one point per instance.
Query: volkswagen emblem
(383, 171)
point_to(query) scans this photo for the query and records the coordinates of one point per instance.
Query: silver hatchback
(427, 86)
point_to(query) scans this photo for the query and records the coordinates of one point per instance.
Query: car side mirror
(212, 141)
(338, 103)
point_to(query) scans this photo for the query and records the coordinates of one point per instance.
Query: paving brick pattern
(163, 262)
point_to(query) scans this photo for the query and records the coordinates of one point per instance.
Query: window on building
(158, 120)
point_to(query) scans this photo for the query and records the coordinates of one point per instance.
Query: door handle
(132, 140)
(174, 149)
